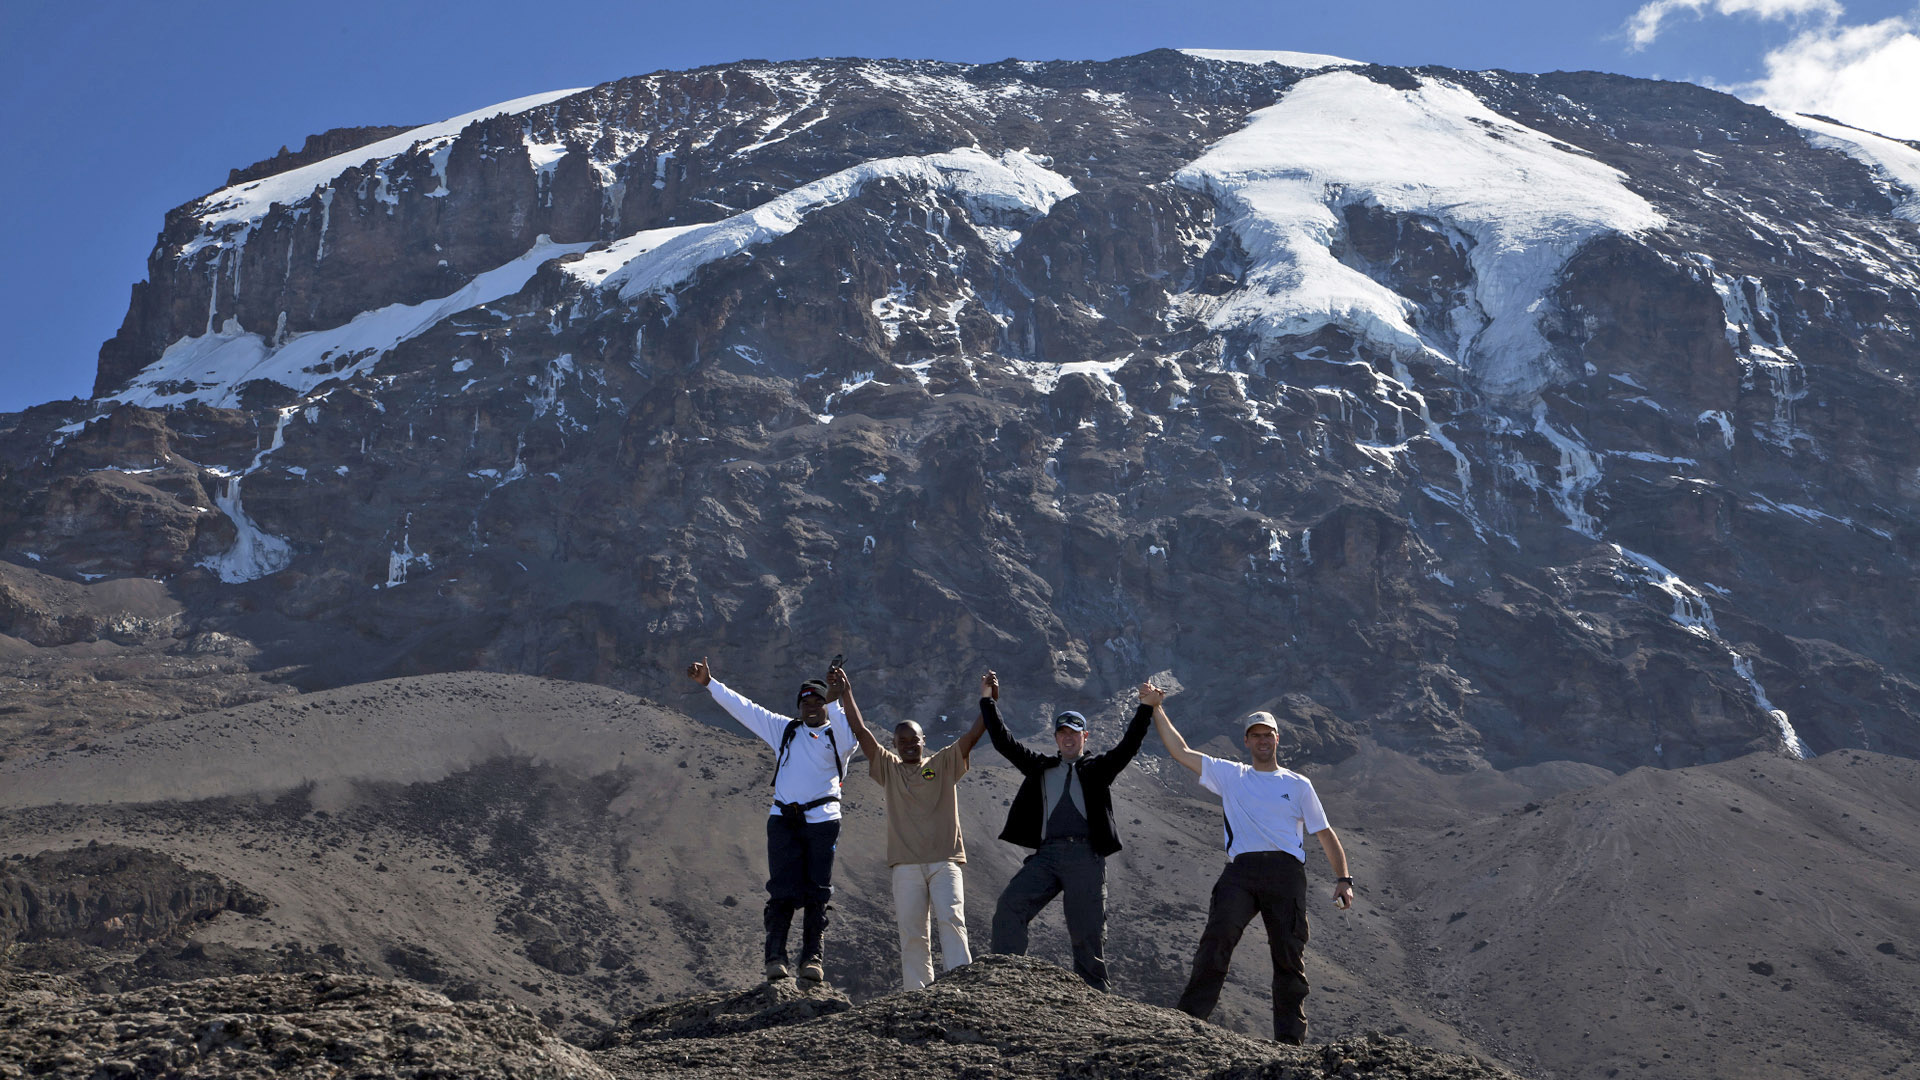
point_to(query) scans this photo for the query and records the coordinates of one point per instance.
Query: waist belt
(793, 811)
(1268, 856)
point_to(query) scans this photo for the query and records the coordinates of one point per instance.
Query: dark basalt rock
(728, 1013)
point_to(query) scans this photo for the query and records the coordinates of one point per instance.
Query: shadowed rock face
(941, 425)
(107, 894)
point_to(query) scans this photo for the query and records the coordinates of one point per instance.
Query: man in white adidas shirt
(1270, 812)
(803, 828)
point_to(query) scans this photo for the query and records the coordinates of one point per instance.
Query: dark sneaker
(812, 970)
(776, 969)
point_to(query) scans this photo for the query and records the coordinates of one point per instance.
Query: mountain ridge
(1552, 478)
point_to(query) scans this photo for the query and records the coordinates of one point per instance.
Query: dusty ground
(586, 854)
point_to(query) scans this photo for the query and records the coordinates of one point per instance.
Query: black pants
(1274, 884)
(1060, 866)
(799, 875)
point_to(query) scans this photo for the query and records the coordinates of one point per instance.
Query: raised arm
(989, 688)
(1123, 752)
(762, 722)
(841, 688)
(1022, 758)
(1176, 743)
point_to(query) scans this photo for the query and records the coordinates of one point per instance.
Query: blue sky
(116, 112)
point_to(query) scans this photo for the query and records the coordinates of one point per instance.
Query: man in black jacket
(1064, 811)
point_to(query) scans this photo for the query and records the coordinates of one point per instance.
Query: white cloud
(1867, 76)
(1644, 26)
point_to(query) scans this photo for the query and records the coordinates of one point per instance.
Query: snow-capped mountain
(1495, 417)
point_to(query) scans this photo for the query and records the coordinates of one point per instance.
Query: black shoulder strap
(780, 755)
(1228, 822)
(839, 768)
(786, 743)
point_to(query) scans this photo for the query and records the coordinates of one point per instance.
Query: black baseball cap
(816, 688)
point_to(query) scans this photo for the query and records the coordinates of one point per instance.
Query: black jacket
(1097, 774)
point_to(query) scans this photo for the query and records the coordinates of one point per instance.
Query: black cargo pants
(799, 876)
(1273, 884)
(1066, 866)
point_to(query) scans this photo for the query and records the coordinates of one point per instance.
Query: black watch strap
(1344, 880)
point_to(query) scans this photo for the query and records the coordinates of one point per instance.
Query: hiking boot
(812, 970)
(776, 969)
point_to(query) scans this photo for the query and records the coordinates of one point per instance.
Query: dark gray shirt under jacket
(1027, 818)
(1068, 818)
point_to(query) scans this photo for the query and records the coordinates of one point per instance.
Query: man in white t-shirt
(1270, 812)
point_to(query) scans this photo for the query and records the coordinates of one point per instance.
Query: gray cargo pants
(1066, 866)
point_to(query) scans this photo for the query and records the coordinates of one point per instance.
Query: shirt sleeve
(767, 725)
(1311, 813)
(877, 768)
(958, 764)
(1211, 773)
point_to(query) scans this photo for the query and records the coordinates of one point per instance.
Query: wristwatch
(1343, 881)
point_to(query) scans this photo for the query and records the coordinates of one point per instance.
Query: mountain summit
(1495, 418)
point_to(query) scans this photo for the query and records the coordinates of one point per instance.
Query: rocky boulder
(275, 1025)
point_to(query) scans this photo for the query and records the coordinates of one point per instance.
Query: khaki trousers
(923, 891)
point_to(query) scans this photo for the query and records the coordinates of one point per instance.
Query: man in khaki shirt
(924, 846)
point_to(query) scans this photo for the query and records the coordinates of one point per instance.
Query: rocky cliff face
(1497, 418)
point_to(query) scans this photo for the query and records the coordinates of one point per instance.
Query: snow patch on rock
(213, 367)
(1013, 186)
(1894, 164)
(246, 204)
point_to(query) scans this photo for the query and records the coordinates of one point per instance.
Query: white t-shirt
(809, 772)
(1266, 811)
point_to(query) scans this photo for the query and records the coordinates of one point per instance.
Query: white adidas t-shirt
(1266, 811)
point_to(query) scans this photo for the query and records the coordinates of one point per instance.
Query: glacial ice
(1527, 201)
(1307, 60)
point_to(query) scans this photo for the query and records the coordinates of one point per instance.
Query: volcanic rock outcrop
(109, 894)
(1002, 1016)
